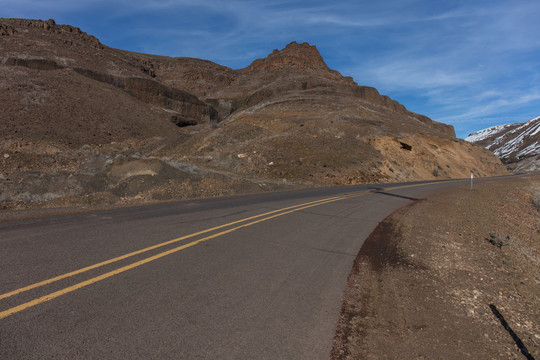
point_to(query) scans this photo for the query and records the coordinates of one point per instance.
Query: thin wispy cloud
(468, 63)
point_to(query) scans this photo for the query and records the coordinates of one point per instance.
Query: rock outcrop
(293, 56)
(152, 92)
(74, 33)
(6, 30)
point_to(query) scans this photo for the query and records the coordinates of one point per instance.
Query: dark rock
(497, 241)
(155, 93)
(181, 121)
(37, 64)
(405, 146)
(6, 30)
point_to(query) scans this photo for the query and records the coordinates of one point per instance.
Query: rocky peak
(293, 56)
(10, 26)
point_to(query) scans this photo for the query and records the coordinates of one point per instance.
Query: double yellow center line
(240, 224)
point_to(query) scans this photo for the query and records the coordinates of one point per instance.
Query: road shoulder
(430, 280)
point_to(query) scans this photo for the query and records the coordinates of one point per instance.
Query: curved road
(247, 277)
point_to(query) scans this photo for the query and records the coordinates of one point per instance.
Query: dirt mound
(413, 157)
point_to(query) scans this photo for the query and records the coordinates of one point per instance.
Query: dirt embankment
(37, 177)
(454, 276)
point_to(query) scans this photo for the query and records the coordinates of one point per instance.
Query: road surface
(247, 277)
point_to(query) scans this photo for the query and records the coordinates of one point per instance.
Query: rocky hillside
(517, 144)
(82, 122)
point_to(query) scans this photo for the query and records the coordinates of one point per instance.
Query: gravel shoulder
(452, 276)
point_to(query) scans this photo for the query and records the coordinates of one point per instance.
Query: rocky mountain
(517, 144)
(85, 123)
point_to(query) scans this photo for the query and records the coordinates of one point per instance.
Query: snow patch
(533, 149)
(484, 134)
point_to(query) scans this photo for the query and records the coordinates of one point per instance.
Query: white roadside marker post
(472, 176)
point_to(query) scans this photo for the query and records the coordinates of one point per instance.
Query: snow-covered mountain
(517, 144)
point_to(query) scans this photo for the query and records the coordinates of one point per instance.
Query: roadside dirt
(453, 276)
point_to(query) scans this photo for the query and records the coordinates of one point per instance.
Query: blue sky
(471, 64)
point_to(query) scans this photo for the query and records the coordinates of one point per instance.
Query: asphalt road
(247, 277)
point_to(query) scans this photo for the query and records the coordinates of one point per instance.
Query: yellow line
(80, 285)
(122, 257)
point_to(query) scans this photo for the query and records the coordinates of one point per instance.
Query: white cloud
(418, 74)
